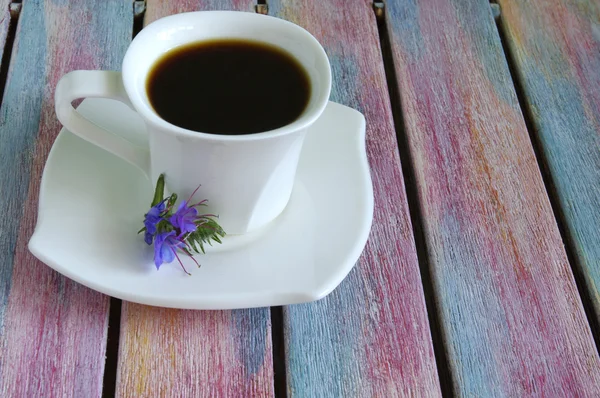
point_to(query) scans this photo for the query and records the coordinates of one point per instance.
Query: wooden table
(481, 276)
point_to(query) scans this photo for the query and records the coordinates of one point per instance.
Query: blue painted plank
(556, 48)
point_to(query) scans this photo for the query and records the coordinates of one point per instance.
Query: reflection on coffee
(228, 87)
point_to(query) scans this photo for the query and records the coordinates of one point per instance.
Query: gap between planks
(109, 381)
(278, 346)
(15, 13)
(439, 348)
(551, 191)
(139, 10)
(277, 332)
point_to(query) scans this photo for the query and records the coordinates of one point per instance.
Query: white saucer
(92, 205)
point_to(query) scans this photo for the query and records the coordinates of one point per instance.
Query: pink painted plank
(512, 318)
(371, 336)
(53, 330)
(156, 9)
(166, 352)
(556, 46)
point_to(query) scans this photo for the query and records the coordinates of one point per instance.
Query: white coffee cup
(247, 178)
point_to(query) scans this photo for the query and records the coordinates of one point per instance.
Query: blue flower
(151, 219)
(165, 245)
(148, 237)
(184, 218)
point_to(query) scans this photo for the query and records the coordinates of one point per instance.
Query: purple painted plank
(512, 318)
(371, 336)
(166, 352)
(53, 336)
(556, 46)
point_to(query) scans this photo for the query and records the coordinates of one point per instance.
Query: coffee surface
(228, 87)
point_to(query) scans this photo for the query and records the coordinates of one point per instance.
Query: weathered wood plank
(53, 330)
(156, 9)
(512, 319)
(165, 352)
(556, 48)
(371, 336)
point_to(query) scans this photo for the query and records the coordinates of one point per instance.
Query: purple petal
(175, 242)
(159, 243)
(182, 206)
(188, 227)
(153, 217)
(158, 260)
(150, 226)
(183, 219)
(167, 253)
(153, 212)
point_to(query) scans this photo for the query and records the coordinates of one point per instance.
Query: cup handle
(104, 84)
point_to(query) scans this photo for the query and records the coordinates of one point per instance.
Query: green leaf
(194, 246)
(141, 230)
(209, 230)
(159, 192)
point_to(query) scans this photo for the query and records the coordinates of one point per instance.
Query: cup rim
(306, 118)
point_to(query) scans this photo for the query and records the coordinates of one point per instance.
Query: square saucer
(92, 204)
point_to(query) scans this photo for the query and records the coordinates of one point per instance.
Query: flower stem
(180, 263)
(189, 253)
(193, 193)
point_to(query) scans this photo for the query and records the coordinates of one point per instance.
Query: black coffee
(228, 87)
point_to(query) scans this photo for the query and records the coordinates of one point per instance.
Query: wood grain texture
(512, 319)
(156, 9)
(556, 48)
(371, 336)
(179, 353)
(53, 336)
